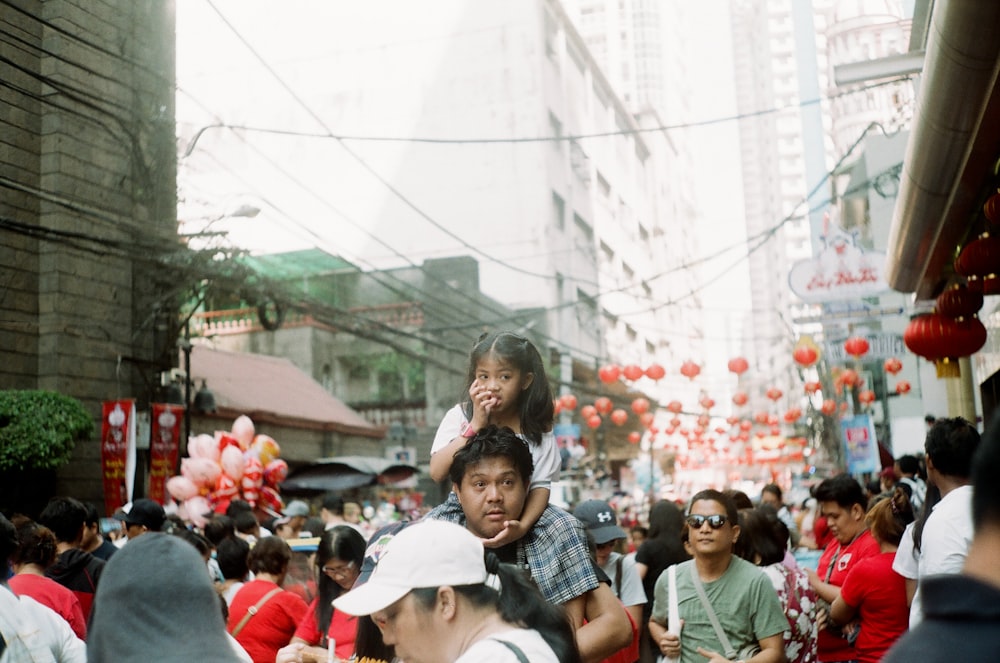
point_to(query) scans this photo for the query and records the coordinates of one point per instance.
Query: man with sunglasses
(745, 605)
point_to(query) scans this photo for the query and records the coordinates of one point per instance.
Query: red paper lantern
(992, 208)
(568, 401)
(632, 372)
(792, 415)
(732, 420)
(655, 372)
(706, 402)
(978, 262)
(619, 417)
(609, 373)
(587, 411)
(646, 419)
(760, 418)
(856, 346)
(740, 398)
(812, 387)
(634, 437)
(893, 365)
(943, 340)
(603, 405)
(774, 393)
(746, 425)
(738, 365)
(704, 420)
(805, 356)
(594, 421)
(829, 407)
(959, 302)
(903, 387)
(690, 370)
(849, 378)
(640, 406)
(866, 396)
(675, 406)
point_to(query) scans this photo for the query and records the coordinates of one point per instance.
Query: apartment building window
(551, 33)
(555, 131)
(558, 211)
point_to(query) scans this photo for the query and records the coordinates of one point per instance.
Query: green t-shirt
(744, 602)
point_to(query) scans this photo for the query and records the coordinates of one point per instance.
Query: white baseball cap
(428, 553)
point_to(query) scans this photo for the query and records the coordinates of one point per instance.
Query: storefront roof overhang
(951, 157)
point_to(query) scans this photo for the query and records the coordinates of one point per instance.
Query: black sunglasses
(715, 521)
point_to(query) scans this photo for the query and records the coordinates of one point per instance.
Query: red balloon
(594, 421)
(655, 372)
(603, 405)
(633, 372)
(640, 405)
(619, 417)
(609, 373)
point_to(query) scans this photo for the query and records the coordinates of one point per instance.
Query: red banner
(118, 452)
(165, 434)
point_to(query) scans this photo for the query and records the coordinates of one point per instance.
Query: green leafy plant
(38, 429)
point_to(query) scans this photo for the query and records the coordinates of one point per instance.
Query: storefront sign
(841, 270)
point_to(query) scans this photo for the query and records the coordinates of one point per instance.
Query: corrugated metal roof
(259, 384)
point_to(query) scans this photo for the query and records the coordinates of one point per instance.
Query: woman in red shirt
(872, 589)
(339, 557)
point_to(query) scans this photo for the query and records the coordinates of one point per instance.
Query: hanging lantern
(856, 346)
(587, 411)
(866, 397)
(893, 366)
(740, 398)
(943, 340)
(634, 437)
(812, 387)
(774, 393)
(829, 407)
(632, 372)
(640, 406)
(603, 405)
(978, 263)
(594, 421)
(903, 387)
(706, 402)
(991, 208)
(690, 370)
(760, 418)
(675, 407)
(619, 417)
(746, 425)
(675, 422)
(732, 420)
(646, 419)
(958, 302)
(806, 352)
(849, 378)
(568, 401)
(738, 365)
(556, 406)
(704, 420)
(655, 372)
(609, 373)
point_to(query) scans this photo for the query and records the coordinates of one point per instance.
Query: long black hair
(535, 404)
(344, 544)
(519, 603)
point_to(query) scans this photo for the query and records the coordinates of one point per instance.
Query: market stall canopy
(273, 389)
(345, 472)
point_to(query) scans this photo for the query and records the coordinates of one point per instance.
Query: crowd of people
(907, 567)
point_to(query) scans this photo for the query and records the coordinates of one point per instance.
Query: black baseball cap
(143, 511)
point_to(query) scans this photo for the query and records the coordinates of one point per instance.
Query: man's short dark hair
(91, 518)
(232, 556)
(333, 503)
(726, 500)
(986, 477)
(219, 527)
(950, 445)
(491, 442)
(65, 516)
(772, 488)
(245, 522)
(842, 489)
(908, 464)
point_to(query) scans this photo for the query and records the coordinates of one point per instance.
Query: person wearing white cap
(442, 608)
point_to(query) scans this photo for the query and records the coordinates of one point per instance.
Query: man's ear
(446, 602)
(858, 511)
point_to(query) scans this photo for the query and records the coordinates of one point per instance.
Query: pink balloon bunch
(229, 465)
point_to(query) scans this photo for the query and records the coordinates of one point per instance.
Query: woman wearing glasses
(338, 560)
(717, 586)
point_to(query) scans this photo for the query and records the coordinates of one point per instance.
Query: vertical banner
(860, 444)
(118, 452)
(164, 446)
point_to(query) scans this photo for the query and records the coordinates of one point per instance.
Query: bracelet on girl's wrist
(467, 431)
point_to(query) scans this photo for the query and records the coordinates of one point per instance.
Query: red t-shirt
(880, 595)
(273, 625)
(343, 630)
(50, 593)
(832, 647)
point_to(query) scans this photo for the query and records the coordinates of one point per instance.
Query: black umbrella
(345, 472)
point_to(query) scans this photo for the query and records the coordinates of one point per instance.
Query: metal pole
(186, 348)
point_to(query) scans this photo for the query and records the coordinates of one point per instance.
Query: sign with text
(841, 270)
(118, 452)
(860, 444)
(164, 446)
(880, 346)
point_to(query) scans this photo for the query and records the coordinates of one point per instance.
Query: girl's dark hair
(368, 642)
(270, 555)
(931, 497)
(520, 603)
(758, 536)
(535, 404)
(36, 544)
(888, 518)
(344, 544)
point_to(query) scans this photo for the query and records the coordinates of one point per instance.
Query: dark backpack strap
(618, 576)
(514, 648)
